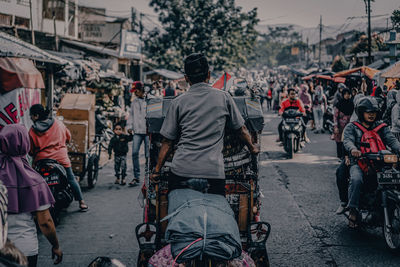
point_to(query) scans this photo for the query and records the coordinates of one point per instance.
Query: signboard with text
(14, 106)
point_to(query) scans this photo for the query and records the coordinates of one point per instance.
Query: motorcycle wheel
(92, 171)
(290, 147)
(392, 235)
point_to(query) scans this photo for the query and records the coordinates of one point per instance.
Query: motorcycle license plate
(52, 179)
(388, 178)
(291, 120)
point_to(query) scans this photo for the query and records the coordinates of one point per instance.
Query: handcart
(242, 188)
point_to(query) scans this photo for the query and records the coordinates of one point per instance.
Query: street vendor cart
(78, 113)
(242, 188)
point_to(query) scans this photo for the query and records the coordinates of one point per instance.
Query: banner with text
(14, 106)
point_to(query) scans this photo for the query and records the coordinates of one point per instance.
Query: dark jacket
(352, 138)
(119, 144)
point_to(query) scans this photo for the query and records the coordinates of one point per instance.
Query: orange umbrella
(367, 71)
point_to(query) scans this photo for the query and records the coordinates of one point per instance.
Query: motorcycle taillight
(46, 174)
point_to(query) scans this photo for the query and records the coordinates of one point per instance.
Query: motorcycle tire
(92, 171)
(392, 235)
(290, 147)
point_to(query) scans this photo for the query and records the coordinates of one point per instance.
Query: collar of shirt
(199, 86)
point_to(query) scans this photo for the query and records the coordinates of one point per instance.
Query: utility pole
(32, 31)
(54, 25)
(307, 54)
(368, 7)
(320, 41)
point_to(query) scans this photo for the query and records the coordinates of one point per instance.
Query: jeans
(356, 182)
(137, 142)
(342, 182)
(76, 189)
(120, 166)
(318, 118)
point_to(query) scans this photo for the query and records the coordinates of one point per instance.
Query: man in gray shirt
(196, 120)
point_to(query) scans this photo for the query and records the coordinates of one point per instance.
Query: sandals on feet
(353, 220)
(83, 207)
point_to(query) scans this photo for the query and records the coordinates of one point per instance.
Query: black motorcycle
(56, 178)
(380, 198)
(292, 129)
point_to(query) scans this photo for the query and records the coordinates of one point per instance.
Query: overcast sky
(302, 12)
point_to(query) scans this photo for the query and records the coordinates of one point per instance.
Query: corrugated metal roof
(172, 75)
(11, 46)
(100, 49)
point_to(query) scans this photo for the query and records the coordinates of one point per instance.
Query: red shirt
(51, 144)
(292, 103)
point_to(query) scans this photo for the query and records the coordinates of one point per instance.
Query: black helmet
(341, 86)
(366, 104)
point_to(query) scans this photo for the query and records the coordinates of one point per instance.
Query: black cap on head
(196, 67)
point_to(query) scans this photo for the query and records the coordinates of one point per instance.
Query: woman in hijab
(319, 108)
(343, 110)
(305, 97)
(21, 180)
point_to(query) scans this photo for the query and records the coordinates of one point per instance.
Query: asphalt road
(300, 199)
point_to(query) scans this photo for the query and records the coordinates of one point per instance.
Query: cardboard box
(80, 107)
(79, 136)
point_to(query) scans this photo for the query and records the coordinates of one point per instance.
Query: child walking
(119, 144)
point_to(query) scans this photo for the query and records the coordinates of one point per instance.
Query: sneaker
(134, 182)
(342, 209)
(322, 131)
(123, 182)
(116, 181)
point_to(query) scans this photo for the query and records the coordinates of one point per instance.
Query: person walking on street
(137, 125)
(319, 108)
(170, 89)
(28, 196)
(305, 97)
(395, 118)
(343, 110)
(48, 141)
(119, 144)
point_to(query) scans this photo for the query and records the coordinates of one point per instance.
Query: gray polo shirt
(198, 119)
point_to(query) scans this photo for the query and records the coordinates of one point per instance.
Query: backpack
(371, 142)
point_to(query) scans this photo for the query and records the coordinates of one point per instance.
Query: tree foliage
(377, 44)
(275, 47)
(217, 28)
(339, 64)
(396, 19)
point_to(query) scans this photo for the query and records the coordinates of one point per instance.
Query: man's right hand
(57, 254)
(255, 149)
(155, 177)
(356, 153)
(130, 131)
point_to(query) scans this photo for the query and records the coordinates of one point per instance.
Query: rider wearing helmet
(367, 112)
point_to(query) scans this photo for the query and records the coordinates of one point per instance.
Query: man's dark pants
(217, 186)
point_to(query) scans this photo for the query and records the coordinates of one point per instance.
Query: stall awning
(393, 72)
(369, 72)
(11, 46)
(171, 75)
(19, 73)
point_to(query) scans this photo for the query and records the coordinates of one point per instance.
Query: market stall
(20, 85)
